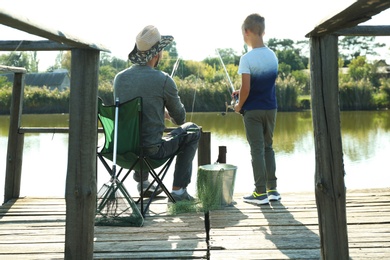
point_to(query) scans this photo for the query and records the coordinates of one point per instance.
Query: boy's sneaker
(273, 195)
(184, 196)
(256, 198)
(148, 193)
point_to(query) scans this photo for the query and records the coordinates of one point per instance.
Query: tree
(284, 70)
(107, 74)
(353, 46)
(118, 64)
(107, 60)
(302, 78)
(167, 62)
(213, 62)
(290, 58)
(228, 56)
(66, 60)
(16, 59)
(3, 82)
(172, 50)
(303, 48)
(170, 57)
(190, 67)
(280, 45)
(359, 68)
(63, 60)
(34, 61)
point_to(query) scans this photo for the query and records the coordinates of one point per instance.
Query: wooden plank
(12, 69)
(367, 30)
(178, 236)
(265, 254)
(61, 130)
(100, 247)
(174, 254)
(38, 256)
(285, 230)
(29, 26)
(356, 13)
(282, 231)
(32, 46)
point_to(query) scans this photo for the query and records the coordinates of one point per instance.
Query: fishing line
(235, 98)
(174, 69)
(193, 98)
(17, 47)
(226, 72)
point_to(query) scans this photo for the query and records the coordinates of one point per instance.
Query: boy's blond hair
(255, 23)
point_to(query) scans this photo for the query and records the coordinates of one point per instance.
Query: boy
(257, 102)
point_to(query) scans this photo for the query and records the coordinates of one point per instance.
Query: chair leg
(159, 178)
(105, 164)
(156, 177)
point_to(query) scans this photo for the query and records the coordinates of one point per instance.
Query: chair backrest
(129, 130)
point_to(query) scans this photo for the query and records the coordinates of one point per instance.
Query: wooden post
(221, 154)
(329, 171)
(204, 154)
(13, 170)
(81, 190)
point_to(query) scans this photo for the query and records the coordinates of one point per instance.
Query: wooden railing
(16, 138)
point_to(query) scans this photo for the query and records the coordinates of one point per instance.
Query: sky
(199, 27)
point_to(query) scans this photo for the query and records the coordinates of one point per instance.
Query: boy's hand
(238, 108)
(235, 94)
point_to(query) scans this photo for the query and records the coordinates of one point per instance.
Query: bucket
(215, 185)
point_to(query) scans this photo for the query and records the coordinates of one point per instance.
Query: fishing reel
(232, 103)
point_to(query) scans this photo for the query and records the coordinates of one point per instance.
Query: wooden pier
(34, 228)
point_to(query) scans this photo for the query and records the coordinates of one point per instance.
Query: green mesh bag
(116, 207)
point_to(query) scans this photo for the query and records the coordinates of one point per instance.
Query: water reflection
(291, 128)
(364, 133)
(365, 140)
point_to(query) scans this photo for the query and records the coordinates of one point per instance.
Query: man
(160, 101)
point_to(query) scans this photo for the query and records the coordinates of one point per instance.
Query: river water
(365, 139)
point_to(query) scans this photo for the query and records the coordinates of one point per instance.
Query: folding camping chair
(129, 154)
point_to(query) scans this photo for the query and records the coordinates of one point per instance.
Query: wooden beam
(358, 12)
(81, 183)
(383, 30)
(27, 25)
(329, 170)
(32, 46)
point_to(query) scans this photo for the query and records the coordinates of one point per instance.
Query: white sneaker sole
(257, 202)
(274, 198)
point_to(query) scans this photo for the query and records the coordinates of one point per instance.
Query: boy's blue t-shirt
(262, 65)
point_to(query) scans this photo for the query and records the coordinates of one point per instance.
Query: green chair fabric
(129, 144)
(129, 133)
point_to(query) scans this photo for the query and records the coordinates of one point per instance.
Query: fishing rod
(175, 66)
(235, 98)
